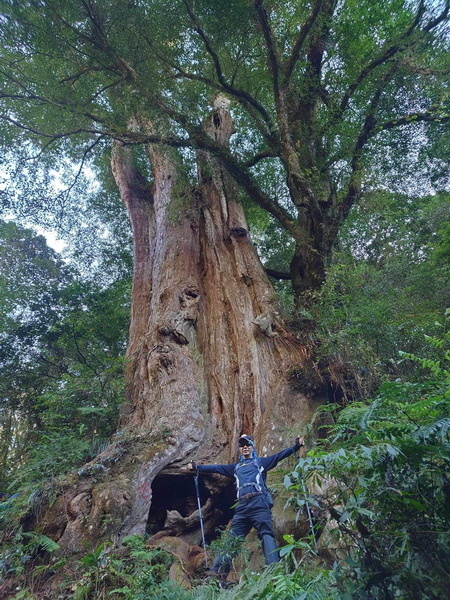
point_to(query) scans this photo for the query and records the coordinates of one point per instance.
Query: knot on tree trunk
(265, 322)
(238, 232)
(168, 331)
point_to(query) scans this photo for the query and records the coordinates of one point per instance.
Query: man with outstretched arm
(254, 501)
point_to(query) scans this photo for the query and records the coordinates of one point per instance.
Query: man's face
(246, 451)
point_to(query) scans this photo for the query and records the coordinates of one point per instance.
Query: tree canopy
(330, 99)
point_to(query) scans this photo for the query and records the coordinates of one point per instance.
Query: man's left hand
(300, 441)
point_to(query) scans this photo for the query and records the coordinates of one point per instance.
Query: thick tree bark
(209, 357)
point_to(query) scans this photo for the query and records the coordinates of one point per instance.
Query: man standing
(254, 501)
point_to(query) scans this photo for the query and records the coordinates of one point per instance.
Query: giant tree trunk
(208, 358)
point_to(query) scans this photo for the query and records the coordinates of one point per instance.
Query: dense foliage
(387, 288)
(331, 100)
(382, 476)
(63, 342)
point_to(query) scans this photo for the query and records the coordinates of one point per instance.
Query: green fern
(39, 542)
(439, 430)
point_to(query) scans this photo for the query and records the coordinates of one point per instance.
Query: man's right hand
(192, 466)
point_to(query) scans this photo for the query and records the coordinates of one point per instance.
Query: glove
(299, 442)
(192, 466)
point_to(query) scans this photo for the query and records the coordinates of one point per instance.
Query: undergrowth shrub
(384, 480)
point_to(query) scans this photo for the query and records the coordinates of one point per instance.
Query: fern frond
(438, 430)
(40, 541)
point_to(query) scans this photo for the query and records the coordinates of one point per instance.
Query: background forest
(375, 321)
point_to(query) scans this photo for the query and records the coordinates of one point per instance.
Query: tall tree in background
(61, 359)
(32, 277)
(320, 95)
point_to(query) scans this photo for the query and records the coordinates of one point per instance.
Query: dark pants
(254, 512)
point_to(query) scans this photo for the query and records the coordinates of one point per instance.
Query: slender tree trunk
(208, 359)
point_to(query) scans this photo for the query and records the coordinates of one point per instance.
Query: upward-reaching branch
(241, 95)
(304, 31)
(381, 59)
(367, 130)
(271, 46)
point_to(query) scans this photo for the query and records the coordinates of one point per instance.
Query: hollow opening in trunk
(174, 504)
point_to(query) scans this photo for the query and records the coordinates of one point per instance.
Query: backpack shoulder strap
(258, 484)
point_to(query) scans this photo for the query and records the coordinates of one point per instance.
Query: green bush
(386, 465)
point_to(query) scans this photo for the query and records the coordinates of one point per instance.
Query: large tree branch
(271, 46)
(298, 186)
(304, 31)
(312, 88)
(260, 156)
(367, 131)
(424, 117)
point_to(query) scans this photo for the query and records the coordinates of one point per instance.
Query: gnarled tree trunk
(208, 359)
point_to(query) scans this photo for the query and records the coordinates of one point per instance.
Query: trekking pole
(200, 515)
(308, 509)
